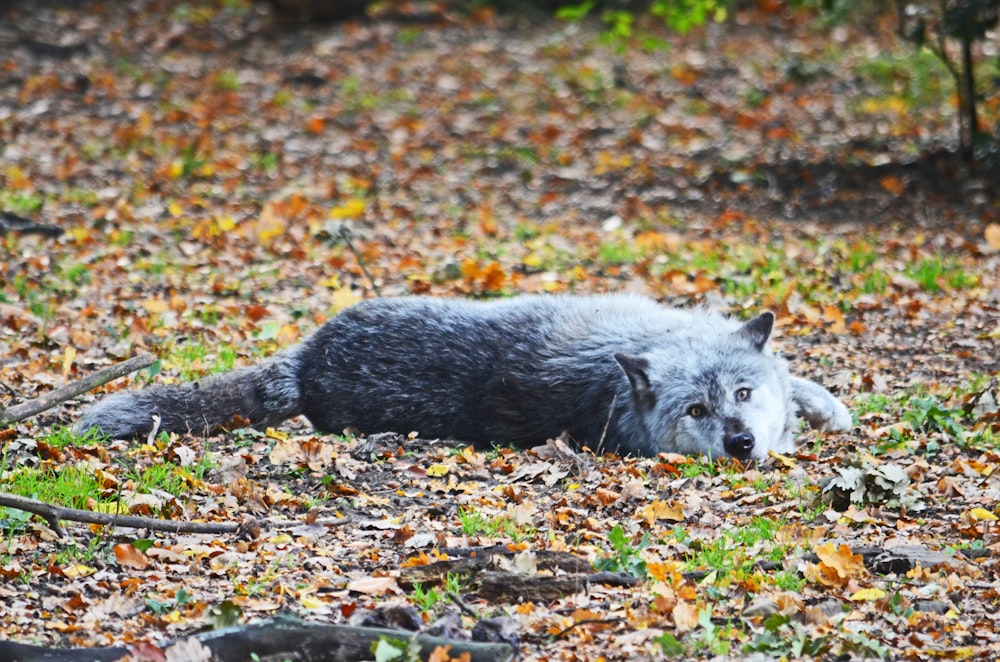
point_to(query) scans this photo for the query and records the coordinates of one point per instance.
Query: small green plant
(161, 476)
(160, 608)
(872, 403)
(475, 523)
(20, 202)
(66, 485)
(707, 638)
(455, 582)
(928, 414)
(61, 436)
(782, 636)
(624, 557)
(425, 599)
(225, 81)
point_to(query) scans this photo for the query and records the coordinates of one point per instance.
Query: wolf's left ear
(758, 330)
(636, 369)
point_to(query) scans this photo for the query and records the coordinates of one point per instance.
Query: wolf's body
(615, 372)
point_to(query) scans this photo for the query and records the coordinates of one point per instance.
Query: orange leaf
(606, 497)
(992, 235)
(316, 125)
(893, 185)
(834, 319)
(128, 556)
(837, 566)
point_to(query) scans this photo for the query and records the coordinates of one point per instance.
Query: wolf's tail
(263, 395)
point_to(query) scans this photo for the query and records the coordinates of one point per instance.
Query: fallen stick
(52, 513)
(52, 398)
(282, 638)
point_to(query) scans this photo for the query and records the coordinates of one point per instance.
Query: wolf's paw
(837, 419)
(819, 407)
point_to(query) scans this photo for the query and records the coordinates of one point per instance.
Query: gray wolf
(617, 373)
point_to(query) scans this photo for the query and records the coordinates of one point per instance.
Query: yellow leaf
(68, 357)
(343, 298)
(787, 462)
(672, 511)
(173, 617)
(275, 434)
(176, 170)
(982, 515)
(867, 595)
(353, 208)
(437, 470)
(281, 539)
(78, 570)
(225, 223)
(155, 306)
(175, 209)
(270, 225)
(312, 603)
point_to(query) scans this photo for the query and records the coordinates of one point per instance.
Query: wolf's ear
(637, 370)
(758, 330)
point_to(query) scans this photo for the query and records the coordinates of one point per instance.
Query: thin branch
(587, 621)
(345, 234)
(52, 514)
(73, 389)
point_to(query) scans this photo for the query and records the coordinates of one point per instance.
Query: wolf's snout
(739, 445)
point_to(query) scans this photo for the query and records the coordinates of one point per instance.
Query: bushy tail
(264, 395)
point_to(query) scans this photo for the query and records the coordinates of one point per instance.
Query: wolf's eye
(696, 411)
(743, 394)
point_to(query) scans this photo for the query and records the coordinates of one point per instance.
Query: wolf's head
(716, 394)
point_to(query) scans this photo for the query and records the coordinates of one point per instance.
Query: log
(28, 409)
(278, 638)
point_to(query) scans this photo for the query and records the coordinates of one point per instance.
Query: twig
(345, 234)
(607, 424)
(465, 609)
(52, 514)
(588, 621)
(71, 390)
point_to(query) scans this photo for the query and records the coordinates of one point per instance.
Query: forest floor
(216, 184)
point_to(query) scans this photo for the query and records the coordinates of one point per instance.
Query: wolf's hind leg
(819, 407)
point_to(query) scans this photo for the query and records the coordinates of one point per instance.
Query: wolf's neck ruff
(617, 371)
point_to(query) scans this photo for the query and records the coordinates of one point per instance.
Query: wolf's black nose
(739, 445)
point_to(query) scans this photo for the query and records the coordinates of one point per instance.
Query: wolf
(617, 373)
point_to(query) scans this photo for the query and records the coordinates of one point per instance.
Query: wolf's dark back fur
(509, 371)
(513, 371)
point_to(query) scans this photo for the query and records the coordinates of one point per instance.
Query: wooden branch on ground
(52, 398)
(52, 514)
(278, 638)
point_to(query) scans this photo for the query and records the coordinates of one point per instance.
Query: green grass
(937, 274)
(625, 556)
(474, 522)
(915, 76)
(67, 485)
(19, 202)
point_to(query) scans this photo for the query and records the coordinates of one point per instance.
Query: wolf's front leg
(819, 407)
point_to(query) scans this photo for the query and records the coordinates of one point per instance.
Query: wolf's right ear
(637, 370)
(758, 330)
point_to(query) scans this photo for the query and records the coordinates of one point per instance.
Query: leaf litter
(225, 184)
